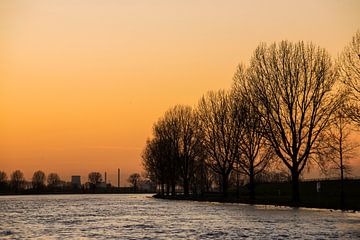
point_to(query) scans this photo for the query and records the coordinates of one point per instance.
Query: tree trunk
(237, 185)
(167, 189)
(224, 185)
(162, 189)
(295, 187)
(252, 188)
(342, 200)
(252, 183)
(186, 186)
(173, 189)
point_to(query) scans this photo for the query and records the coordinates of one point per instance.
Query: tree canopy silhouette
(292, 82)
(38, 180)
(220, 121)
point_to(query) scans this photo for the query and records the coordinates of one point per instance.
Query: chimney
(118, 177)
(105, 178)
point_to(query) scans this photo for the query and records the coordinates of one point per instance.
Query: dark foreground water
(142, 217)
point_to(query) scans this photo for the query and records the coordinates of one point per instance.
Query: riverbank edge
(244, 201)
(74, 193)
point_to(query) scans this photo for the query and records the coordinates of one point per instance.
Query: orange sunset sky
(82, 82)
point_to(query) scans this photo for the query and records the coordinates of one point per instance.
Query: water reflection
(142, 217)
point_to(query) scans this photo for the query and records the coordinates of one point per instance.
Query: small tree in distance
(134, 180)
(53, 180)
(17, 180)
(3, 180)
(94, 178)
(38, 180)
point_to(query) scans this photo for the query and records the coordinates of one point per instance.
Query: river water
(143, 217)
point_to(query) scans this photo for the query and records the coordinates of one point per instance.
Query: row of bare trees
(292, 105)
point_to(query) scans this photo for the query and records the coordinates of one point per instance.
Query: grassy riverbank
(280, 194)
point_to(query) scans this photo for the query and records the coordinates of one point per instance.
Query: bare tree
(293, 85)
(134, 180)
(155, 162)
(17, 180)
(3, 180)
(3, 177)
(94, 178)
(38, 180)
(219, 123)
(202, 175)
(187, 141)
(53, 180)
(255, 149)
(339, 147)
(349, 69)
(166, 131)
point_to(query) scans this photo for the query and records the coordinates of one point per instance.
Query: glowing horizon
(81, 83)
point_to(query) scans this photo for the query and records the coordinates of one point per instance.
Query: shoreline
(72, 193)
(263, 202)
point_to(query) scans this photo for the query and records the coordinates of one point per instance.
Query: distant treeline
(40, 183)
(290, 110)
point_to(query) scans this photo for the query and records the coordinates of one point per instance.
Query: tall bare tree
(349, 69)
(293, 84)
(255, 149)
(339, 147)
(166, 131)
(189, 143)
(180, 129)
(154, 158)
(218, 116)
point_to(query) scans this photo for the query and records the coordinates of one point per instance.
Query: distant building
(76, 181)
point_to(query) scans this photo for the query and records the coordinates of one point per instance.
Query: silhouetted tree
(3, 180)
(187, 141)
(292, 84)
(255, 149)
(94, 178)
(167, 133)
(339, 147)
(202, 175)
(134, 180)
(17, 180)
(53, 180)
(38, 180)
(218, 117)
(349, 69)
(155, 162)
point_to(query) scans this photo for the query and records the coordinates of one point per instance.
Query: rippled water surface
(142, 217)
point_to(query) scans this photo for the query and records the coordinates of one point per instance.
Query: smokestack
(118, 177)
(105, 178)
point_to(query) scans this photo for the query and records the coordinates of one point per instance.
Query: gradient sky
(82, 82)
